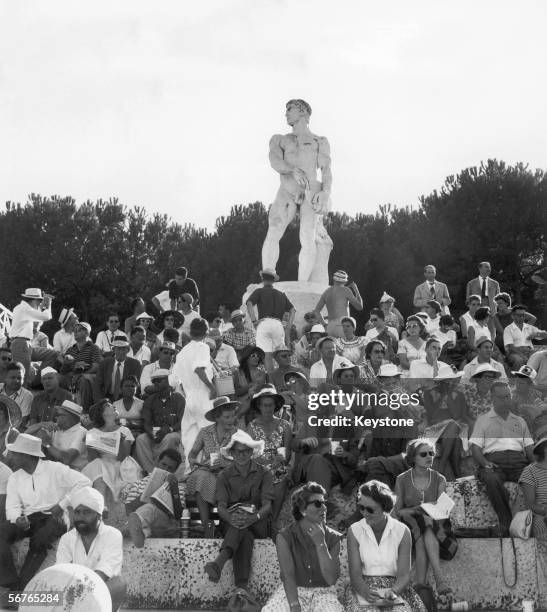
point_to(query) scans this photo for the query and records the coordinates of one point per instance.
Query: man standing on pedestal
(297, 157)
(271, 304)
(337, 300)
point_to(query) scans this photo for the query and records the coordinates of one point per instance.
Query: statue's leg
(320, 272)
(281, 213)
(308, 249)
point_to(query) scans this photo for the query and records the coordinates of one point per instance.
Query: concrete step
(168, 574)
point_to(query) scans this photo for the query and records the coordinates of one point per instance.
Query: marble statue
(296, 157)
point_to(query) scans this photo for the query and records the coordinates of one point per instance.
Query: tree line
(97, 256)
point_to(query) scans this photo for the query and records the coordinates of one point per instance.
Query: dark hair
(473, 296)
(301, 497)
(5, 349)
(380, 493)
(370, 346)
(430, 341)
(498, 383)
(446, 320)
(135, 301)
(171, 335)
(504, 297)
(15, 365)
(279, 402)
(172, 454)
(112, 314)
(417, 320)
(96, 412)
(244, 359)
(211, 316)
(539, 451)
(182, 271)
(4, 409)
(137, 328)
(519, 307)
(482, 313)
(130, 378)
(198, 328)
(413, 446)
(379, 313)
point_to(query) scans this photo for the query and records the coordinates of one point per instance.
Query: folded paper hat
(317, 329)
(236, 313)
(145, 315)
(525, 371)
(340, 276)
(85, 325)
(244, 438)
(386, 298)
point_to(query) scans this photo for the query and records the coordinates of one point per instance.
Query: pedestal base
(303, 296)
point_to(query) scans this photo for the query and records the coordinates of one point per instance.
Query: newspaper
(156, 480)
(104, 441)
(163, 498)
(440, 509)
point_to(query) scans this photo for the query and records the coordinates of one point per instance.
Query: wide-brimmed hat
(244, 438)
(482, 340)
(27, 445)
(282, 349)
(294, 374)
(388, 370)
(525, 371)
(72, 407)
(144, 315)
(120, 341)
(248, 350)
(483, 368)
(171, 346)
(318, 329)
(448, 374)
(66, 314)
(237, 313)
(345, 365)
(322, 340)
(160, 373)
(269, 272)
(14, 411)
(340, 276)
(386, 298)
(33, 294)
(220, 402)
(179, 318)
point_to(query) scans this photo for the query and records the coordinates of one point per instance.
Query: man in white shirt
(38, 493)
(225, 313)
(517, 338)
(64, 338)
(502, 446)
(105, 338)
(137, 348)
(485, 349)
(433, 309)
(67, 443)
(5, 473)
(187, 301)
(224, 355)
(13, 387)
(25, 314)
(93, 544)
(538, 361)
(166, 360)
(323, 369)
(423, 371)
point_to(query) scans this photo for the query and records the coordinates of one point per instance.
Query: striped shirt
(89, 353)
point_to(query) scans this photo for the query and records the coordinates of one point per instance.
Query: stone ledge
(168, 574)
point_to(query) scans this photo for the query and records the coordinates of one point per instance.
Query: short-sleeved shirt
(255, 487)
(270, 302)
(188, 286)
(89, 353)
(72, 438)
(512, 334)
(43, 404)
(304, 554)
(492, 433)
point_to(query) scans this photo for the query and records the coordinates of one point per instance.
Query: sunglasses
(318, 503)
(6, 358)
(426, 453)
(379, 351)
(366, 509)
(217, 321)
(244, 451)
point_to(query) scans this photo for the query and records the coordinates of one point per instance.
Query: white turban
(89, 497)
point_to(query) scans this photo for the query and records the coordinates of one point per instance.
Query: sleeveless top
(379, 559)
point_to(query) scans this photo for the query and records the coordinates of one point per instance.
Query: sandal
(213, 571)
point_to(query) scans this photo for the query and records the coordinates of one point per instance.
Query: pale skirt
(314, 599)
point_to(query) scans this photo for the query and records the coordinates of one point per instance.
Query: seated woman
(447, 420)
(103, 468)
(309, 557)
(351, 347)
(204, 470)
(375, 357)
(129, 406)
(481, 327)
(276, 434)
(244, 498)
(145, 321)
(432, 539)
(411, 347)
(250, 375)
(379, 556)
(296, 397)
(392, 316)
(169, 319)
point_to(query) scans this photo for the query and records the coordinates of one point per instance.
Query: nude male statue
(296, 157)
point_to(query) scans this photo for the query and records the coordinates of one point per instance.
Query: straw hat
(72, 407)
(27, 445)
(33, 294)
(269, 272)
(483, 368)
(220, 402)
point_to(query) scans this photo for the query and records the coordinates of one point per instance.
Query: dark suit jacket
(493, 288)
(103, 380)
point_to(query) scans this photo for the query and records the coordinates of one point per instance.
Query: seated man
(93, 544)
(502, 447)
(112, 370)
(43, 407)
(305, 349)
(282, 356)
(38, 493)
(166, 360)
(239, 336)
(64, 338)
(225, 356)
(80, 364)
(150, 520)
(67, 443)
(162, 414)
(538, 362)
(518, 337)
(388, 335)
(248, 483)
(485, 349)
(13, 388)
(138, 349)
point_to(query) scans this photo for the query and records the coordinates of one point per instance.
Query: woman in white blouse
(379, 556)
(413, 345)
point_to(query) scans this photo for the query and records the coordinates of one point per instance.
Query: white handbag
(521, 525)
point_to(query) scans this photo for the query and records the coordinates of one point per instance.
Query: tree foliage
(98, 256)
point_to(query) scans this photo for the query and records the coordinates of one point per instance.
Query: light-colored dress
(411, 352)
(195, 354)
(107, 466)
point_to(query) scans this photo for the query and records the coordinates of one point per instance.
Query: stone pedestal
(303, 296)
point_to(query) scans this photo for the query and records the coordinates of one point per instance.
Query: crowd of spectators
(218, 404)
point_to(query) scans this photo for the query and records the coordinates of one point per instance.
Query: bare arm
(354, 297)
(329, 562)
(530, 499)
(324, 163)
(403, 564)
(251, 311)
(276, 156)
(319, 307)
(286, 565)
(355, 570)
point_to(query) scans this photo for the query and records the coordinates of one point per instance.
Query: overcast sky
(171, 105)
